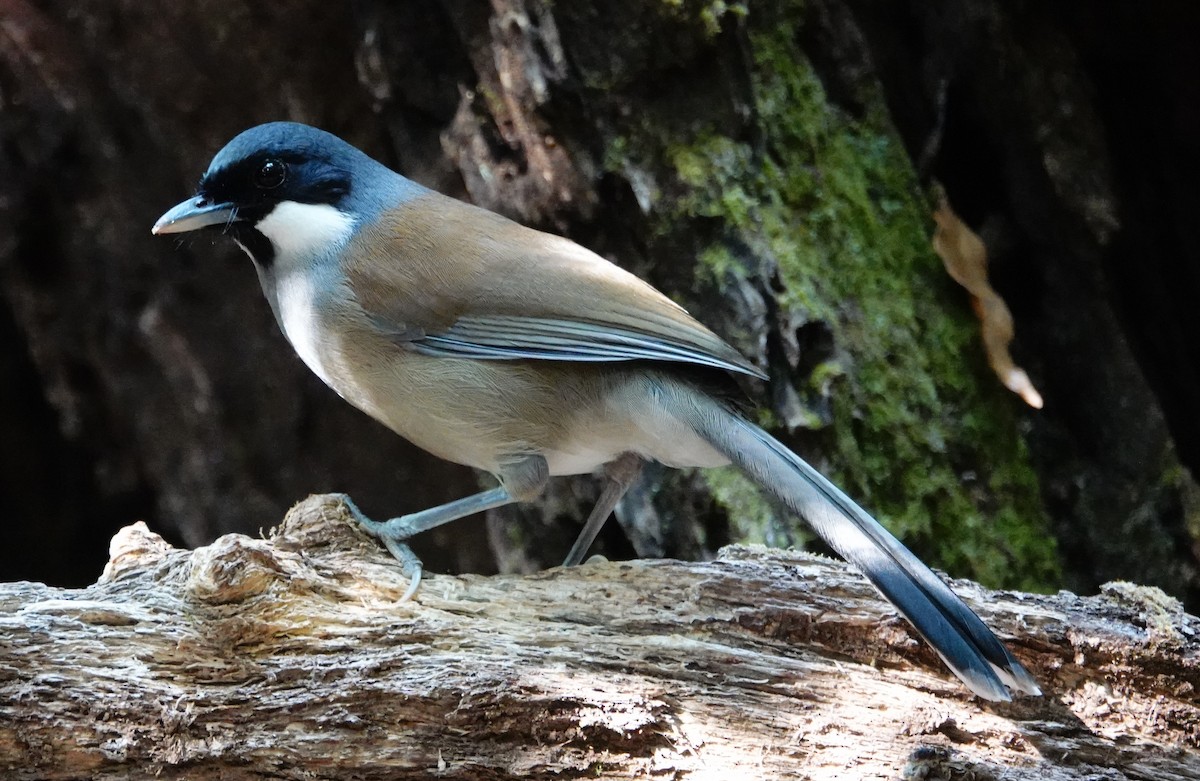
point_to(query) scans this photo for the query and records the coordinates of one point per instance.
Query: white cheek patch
(302, 230)
(304, 236)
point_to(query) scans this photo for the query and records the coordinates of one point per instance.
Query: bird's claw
(393, 533)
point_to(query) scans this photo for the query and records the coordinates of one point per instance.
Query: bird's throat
(254, 244)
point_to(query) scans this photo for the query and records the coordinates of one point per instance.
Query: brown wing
(460, 281)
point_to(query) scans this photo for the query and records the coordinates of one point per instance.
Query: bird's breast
(302, 323)
(480, 413)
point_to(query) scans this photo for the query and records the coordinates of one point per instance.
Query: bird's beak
(194, 214)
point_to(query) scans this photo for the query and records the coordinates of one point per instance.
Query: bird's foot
(394, 534)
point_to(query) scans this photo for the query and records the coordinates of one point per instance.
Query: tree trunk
(291, 657)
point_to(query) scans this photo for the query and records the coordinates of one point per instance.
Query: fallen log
(292, 657)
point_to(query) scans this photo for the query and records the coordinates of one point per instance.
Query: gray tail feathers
(959, 636)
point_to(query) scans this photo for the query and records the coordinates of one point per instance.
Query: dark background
(145, 379)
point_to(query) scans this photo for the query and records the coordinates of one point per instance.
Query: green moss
(1160, 613)
(924, 435)
(710, 13)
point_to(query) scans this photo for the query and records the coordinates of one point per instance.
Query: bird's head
(283, 188)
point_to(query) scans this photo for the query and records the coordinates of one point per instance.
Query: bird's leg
(395, 532)
(620, 474)
(523, 479)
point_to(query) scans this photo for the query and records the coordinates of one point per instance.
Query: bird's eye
(270, 175)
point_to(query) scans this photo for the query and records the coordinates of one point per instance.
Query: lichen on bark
(823, 205)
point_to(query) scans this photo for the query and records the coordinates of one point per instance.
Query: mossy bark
(812, 239)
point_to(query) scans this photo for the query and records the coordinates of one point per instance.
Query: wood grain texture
(290, 657)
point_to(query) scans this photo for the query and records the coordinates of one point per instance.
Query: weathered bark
(290, 657)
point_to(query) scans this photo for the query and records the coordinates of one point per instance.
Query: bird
(521, 353)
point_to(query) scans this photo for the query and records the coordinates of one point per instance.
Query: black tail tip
(998, 683)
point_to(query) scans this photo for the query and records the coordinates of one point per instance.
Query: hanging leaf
(965, 257)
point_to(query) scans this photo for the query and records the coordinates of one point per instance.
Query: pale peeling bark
(291, 657)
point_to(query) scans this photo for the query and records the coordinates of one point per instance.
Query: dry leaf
(965, 258)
